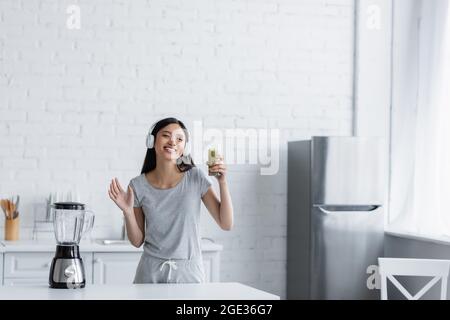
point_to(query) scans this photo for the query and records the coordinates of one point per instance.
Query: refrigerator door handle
(347, 208)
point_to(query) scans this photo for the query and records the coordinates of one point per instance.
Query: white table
(160, 291)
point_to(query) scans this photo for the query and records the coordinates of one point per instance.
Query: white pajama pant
(156, 270)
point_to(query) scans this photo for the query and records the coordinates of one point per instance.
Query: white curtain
(420, 171)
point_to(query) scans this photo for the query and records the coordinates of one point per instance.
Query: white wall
(76, 104)
(373, 67)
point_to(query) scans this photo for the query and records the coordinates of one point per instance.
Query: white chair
(390, 267)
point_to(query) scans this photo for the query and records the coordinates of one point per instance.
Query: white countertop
(154, 291)
(85, 246)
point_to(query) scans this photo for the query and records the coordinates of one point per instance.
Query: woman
(162, 207)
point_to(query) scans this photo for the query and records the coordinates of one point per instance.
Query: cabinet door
(207, 266)
(27, 264)
(17, 282)
(115, 267)
(211, 263)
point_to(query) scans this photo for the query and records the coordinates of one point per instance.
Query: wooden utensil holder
(12, 229)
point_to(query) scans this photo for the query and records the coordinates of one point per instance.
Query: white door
(115, 267)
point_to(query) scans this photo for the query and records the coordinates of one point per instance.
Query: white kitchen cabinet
(16, 282)
(120, 268)
(211, 263)
(25, 263)
(115, 267)
(34, 267)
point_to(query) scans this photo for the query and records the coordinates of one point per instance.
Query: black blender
(71, 221)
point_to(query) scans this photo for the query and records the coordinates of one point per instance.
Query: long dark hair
(150, 156)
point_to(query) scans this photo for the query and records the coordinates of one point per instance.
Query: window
(420, 119)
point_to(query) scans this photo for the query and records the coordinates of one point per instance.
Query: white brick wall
(76, 104)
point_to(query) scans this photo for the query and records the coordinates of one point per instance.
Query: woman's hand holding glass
(218, 169)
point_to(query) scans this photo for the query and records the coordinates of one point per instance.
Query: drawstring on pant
(171, 264)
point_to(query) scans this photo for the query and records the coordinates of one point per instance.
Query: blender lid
(68, 205)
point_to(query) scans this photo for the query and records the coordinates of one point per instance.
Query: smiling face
(170, 142)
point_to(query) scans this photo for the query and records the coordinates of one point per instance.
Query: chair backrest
(390, 267)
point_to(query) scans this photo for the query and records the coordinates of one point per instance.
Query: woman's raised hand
(124, 200)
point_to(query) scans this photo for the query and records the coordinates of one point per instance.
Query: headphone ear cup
(187, 149)
(150, 141)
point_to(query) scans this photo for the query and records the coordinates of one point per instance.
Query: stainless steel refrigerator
(336, 193)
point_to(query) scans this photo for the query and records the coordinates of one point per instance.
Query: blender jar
(71, 221)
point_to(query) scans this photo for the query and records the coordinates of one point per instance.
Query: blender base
(67, 269)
